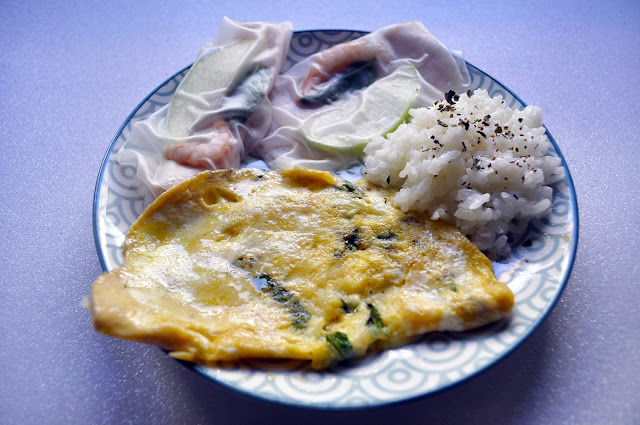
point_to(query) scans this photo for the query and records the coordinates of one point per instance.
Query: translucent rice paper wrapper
(440, 70)
(268, 44)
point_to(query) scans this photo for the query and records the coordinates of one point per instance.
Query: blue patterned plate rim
(563, 279)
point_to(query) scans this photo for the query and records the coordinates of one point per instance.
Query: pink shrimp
(336, 58)
(203, 155)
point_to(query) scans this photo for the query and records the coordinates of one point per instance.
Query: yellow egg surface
(296, 264)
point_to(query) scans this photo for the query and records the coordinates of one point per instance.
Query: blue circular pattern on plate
(536, 272)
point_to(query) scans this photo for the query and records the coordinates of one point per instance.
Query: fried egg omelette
(298, 264)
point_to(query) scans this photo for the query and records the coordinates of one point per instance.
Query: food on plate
(219, 111)
(297, 264)
(327, 107)
(471, 160)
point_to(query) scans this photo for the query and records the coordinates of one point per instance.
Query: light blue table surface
(71, 72)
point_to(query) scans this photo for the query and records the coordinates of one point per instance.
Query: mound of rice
(471, 160)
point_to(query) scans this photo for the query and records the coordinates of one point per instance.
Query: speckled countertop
(71, 72)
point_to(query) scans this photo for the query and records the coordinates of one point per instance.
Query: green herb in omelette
(374, 318)
(340, 342)
(298, 313)
(348, 307)
(350, 187)
(352, 241)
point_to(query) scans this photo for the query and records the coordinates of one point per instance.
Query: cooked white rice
(470, 160)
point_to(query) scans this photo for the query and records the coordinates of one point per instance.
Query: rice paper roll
(219, 111)
(390, 53)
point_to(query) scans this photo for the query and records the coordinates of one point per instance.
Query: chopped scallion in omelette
(296, 264)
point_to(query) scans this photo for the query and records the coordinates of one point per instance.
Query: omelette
(297, 264)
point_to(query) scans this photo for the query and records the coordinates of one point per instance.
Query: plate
(536, 272)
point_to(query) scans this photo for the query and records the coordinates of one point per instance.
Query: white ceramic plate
(536, 273)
